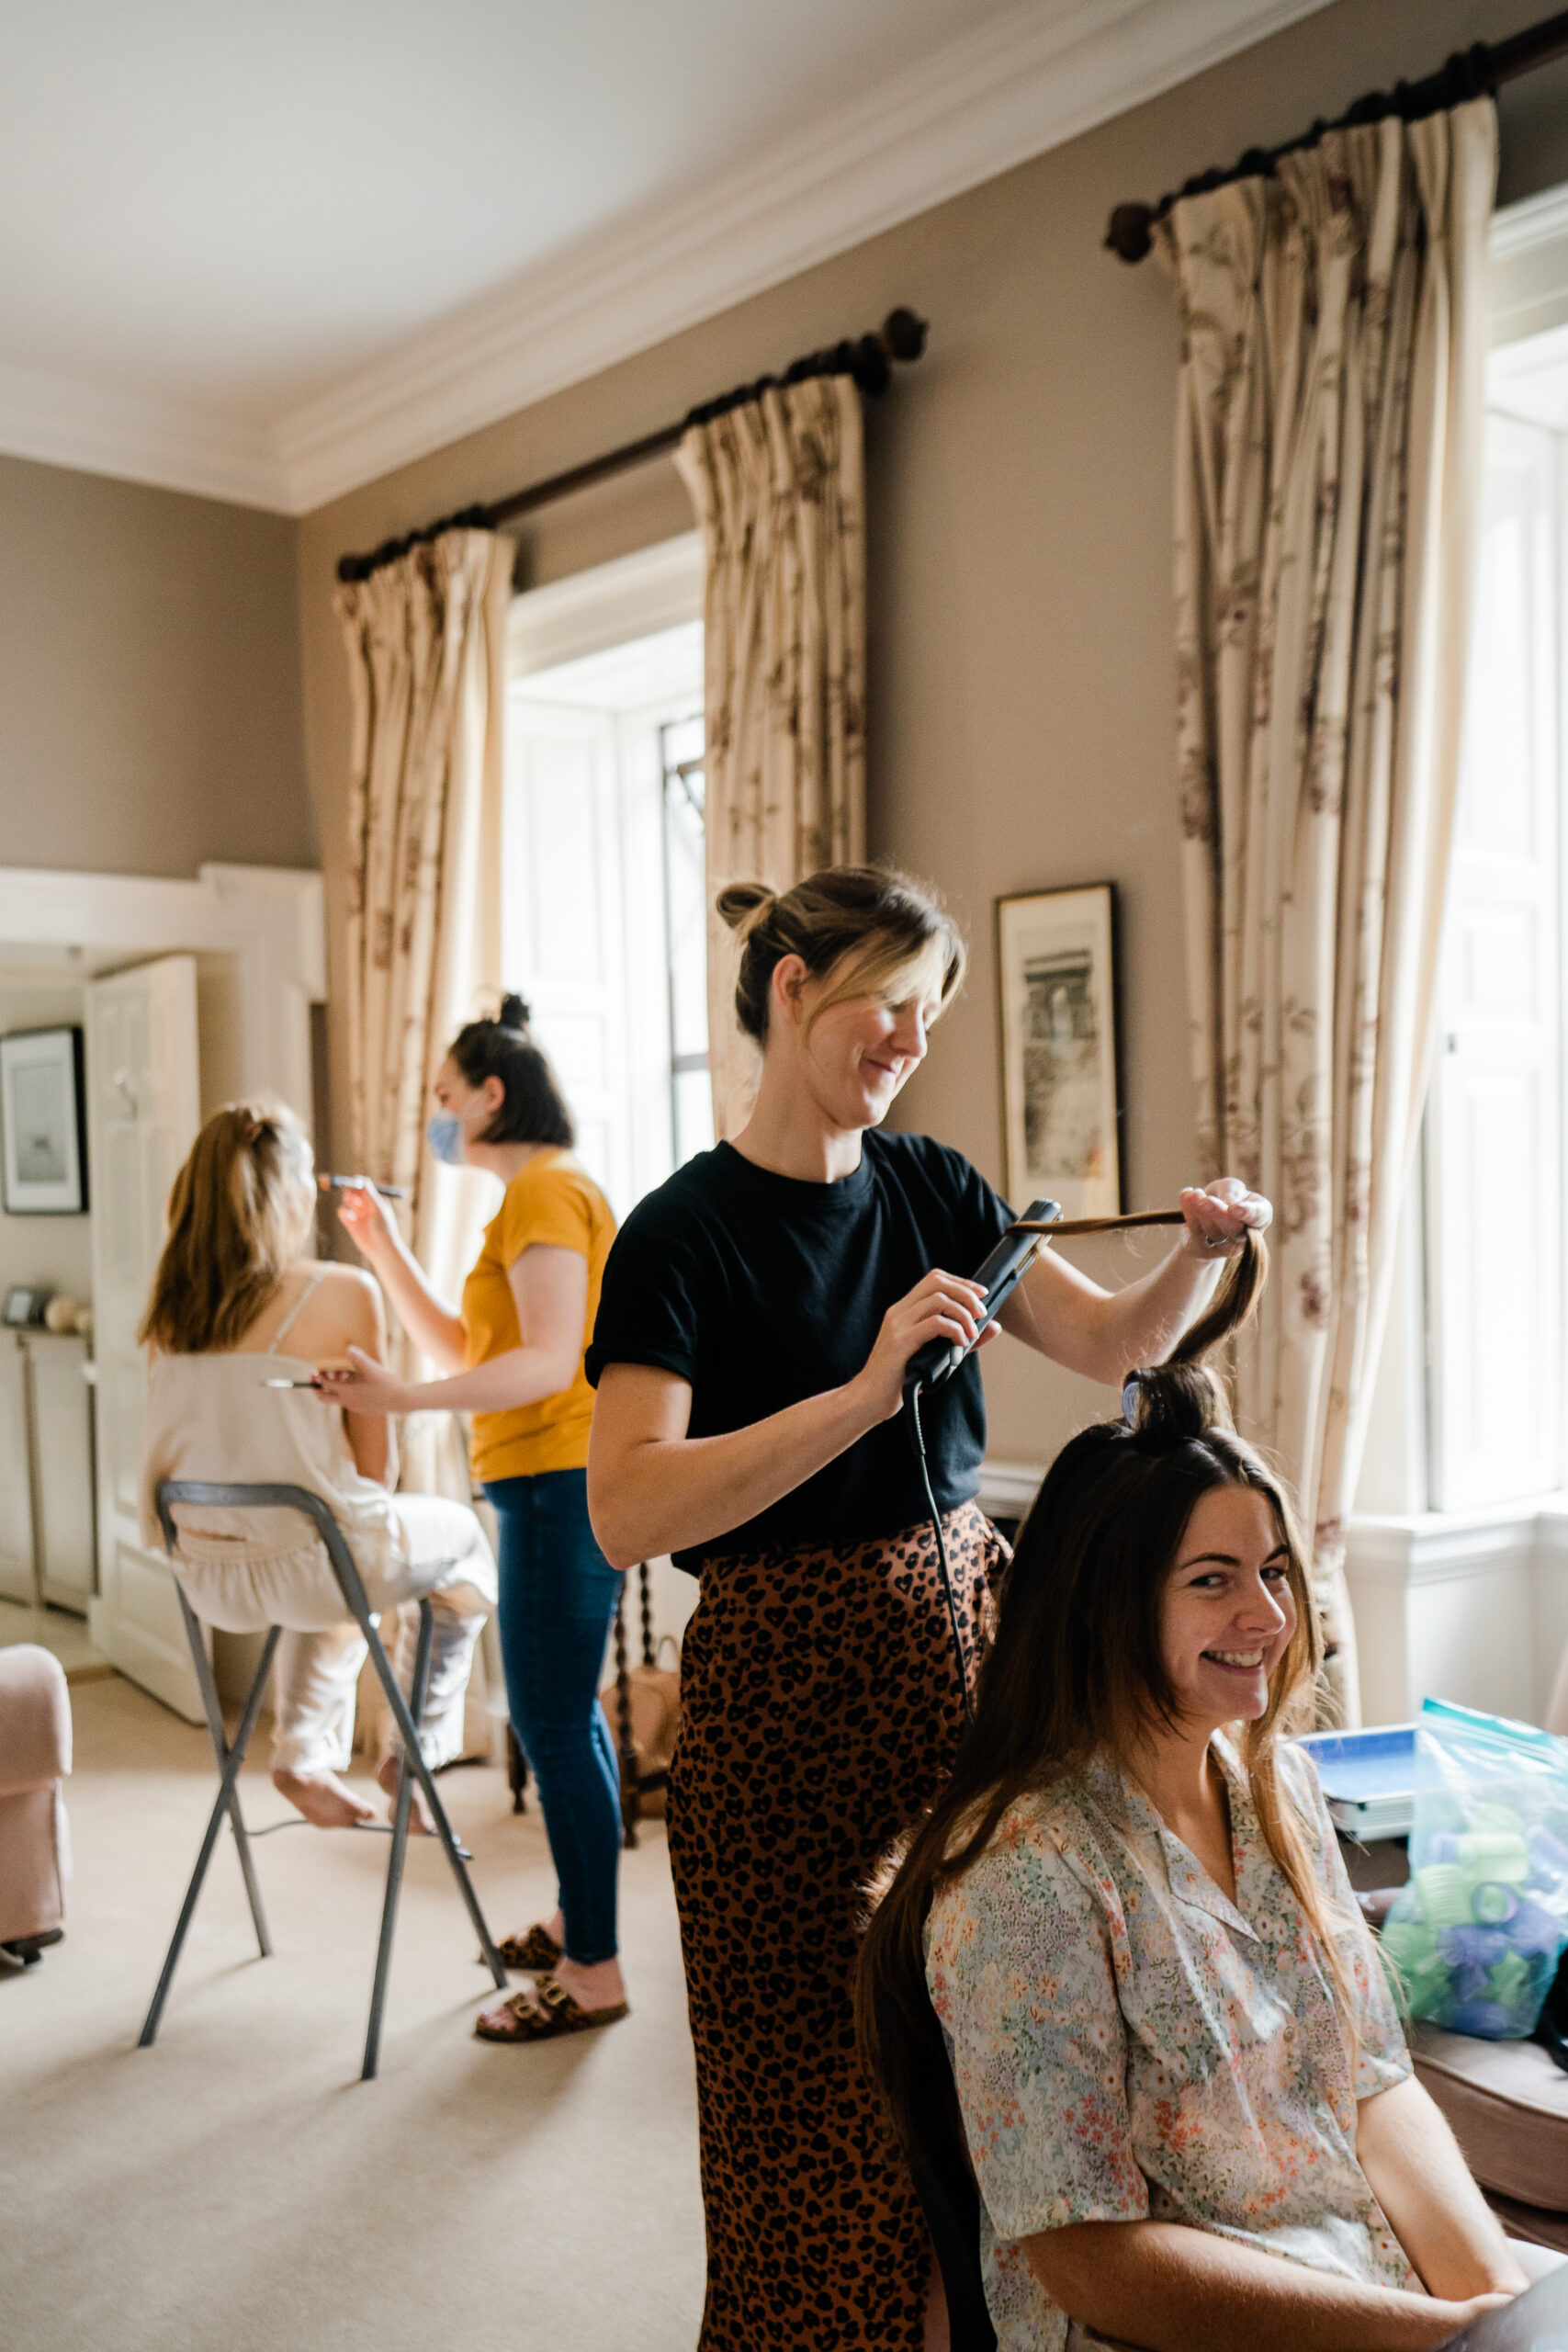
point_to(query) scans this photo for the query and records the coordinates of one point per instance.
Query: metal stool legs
(400, 1846)
(354, 1593)
(229, 1760)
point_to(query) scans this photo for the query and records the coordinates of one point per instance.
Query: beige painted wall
(150, 679)
(1019, 554)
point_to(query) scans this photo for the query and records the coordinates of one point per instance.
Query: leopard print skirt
(820, 1710)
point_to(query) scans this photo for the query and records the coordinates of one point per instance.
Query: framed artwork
(1060, 1090)
(42, 1126)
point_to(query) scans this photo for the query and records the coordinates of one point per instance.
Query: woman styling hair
(758, 1314)
(1120, 1971)
(235, 1301)
(515, 1352)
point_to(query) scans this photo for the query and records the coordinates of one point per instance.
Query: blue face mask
(444, 1135)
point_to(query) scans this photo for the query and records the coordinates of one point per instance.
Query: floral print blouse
(1129, 2045)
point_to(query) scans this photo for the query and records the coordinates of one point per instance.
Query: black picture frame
(1058, 970)
(43, 1122)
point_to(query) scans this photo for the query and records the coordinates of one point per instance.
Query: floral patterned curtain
(1334, 328)
(778, 488)
(426, 647)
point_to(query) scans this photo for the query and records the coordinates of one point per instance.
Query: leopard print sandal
(534, 1954)
(543, 2015)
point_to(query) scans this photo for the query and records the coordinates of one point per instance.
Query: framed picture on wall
(1060, 1090)
(42, 1130)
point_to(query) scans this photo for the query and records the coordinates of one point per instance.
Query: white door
(17, 1575)
(144, 1111)
(562, 923)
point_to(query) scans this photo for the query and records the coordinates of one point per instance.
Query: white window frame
(598, 611)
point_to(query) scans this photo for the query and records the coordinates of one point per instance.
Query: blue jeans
(557, 1598)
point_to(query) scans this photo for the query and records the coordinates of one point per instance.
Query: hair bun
(1169, 1402)
(514, 1013)
(744, 905)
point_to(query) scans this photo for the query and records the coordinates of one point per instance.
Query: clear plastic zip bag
(1473, 1940)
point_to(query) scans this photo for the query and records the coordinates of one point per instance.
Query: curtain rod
(901, 336)
(1469, 74)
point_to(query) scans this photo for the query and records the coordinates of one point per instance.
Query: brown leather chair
(35, 1756)
(1508, 2104)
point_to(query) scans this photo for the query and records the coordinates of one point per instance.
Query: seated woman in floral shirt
(1180, 2080)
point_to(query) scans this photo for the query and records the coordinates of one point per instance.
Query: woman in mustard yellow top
(527, 1313)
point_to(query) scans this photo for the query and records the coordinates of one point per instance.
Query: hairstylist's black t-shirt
(760, 1290)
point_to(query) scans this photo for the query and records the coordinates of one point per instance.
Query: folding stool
(230, 1757)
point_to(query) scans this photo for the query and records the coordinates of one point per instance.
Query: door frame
(269, 919)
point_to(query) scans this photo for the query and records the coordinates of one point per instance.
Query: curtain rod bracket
(869, 360)
(1473, 73)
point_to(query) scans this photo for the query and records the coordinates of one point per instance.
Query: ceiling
(269, 251)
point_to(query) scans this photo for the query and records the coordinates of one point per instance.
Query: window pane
(686, 883)
(694, 1114)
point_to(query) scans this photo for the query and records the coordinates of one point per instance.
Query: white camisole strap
(275, 1346)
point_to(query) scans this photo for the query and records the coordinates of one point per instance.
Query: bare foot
(598, 1986)
(420, 1820)
(322, 1798)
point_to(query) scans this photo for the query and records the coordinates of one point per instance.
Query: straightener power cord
(999, 1277)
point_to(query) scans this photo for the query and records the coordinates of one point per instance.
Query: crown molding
(1028, 81)
(60, 421)
(1535, 220)
(1530, 267)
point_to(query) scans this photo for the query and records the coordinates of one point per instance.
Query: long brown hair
(1076, 1670)
(234, 1222)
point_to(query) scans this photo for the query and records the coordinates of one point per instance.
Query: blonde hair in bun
(867, 929)
(741, 905)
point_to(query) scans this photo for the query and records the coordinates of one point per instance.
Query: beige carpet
(236, 2189)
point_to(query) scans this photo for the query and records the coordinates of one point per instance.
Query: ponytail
(1182, 1397)
(239, 1209)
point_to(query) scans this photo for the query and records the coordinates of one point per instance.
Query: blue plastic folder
(1368, 1778)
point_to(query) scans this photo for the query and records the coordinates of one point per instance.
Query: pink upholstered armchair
(35, 1756)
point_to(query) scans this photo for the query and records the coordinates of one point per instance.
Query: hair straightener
(999, 1277)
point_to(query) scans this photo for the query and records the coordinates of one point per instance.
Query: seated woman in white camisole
(236, 1303)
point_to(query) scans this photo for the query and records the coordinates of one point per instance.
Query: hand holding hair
(1219, 1216)
(1216, 1219)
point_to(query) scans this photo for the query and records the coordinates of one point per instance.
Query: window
(603, 894)
(685, 936)
(1496, 1207)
